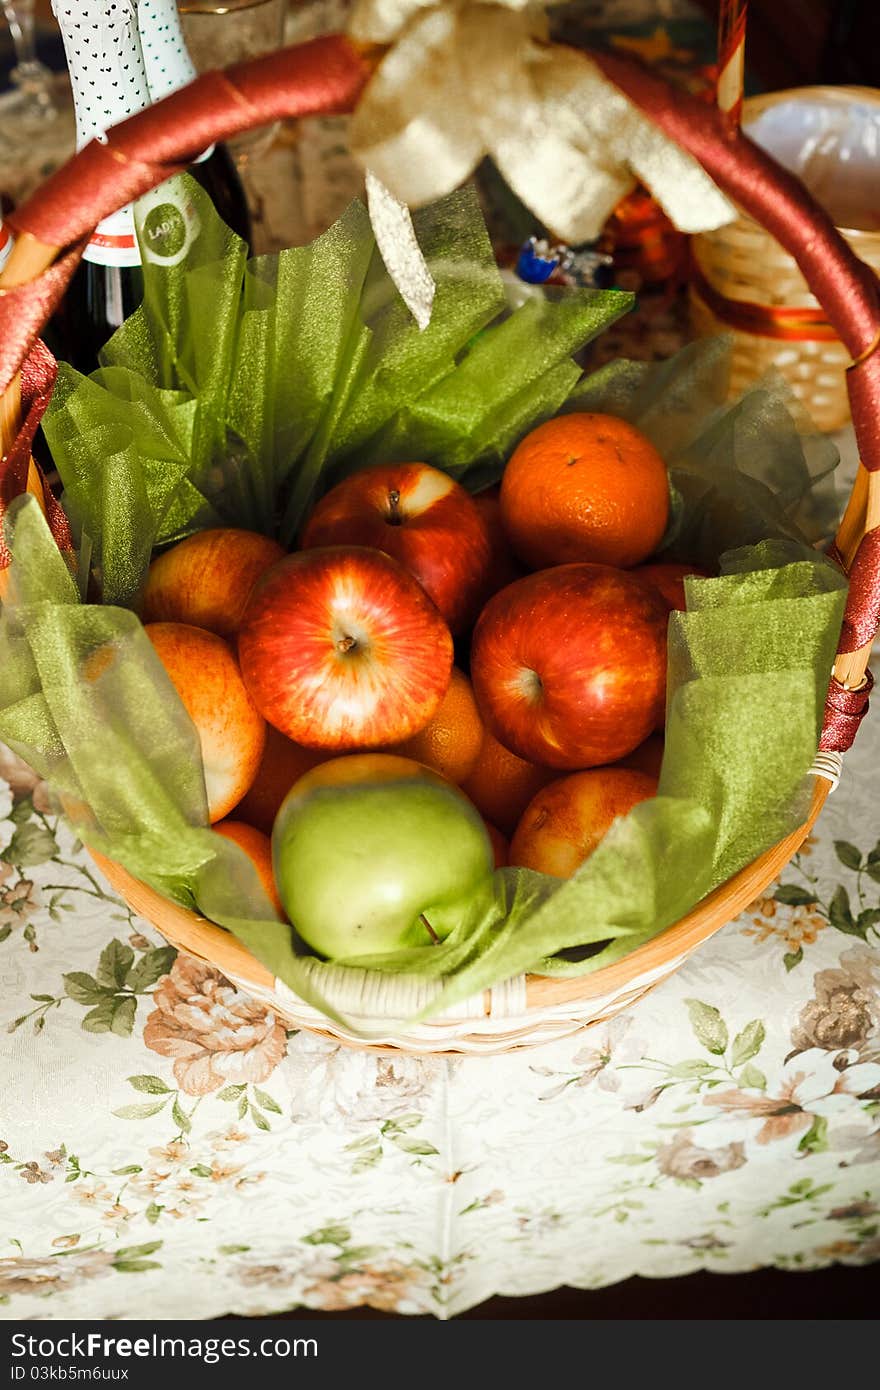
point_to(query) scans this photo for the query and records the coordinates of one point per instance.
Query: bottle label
(5, 244)
(167, 222)
(114, 241)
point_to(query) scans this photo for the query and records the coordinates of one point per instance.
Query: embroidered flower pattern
(795, 927)
(811, 1085)
(215, 1035)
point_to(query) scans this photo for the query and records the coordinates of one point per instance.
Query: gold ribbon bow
(467, 78)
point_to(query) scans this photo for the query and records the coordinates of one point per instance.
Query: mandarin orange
(282, 764)
(450, 742)
(500, 845)
(501, 785)
(585, 487)
(258, 848)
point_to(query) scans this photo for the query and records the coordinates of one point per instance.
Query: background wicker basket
(297, 82)
(745, 273)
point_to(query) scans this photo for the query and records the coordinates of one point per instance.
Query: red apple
(206, 580)
(341, 648)
(504, 567)
(668, 580)
(421, 517)
(566, 821)
(569, 665)
(648, 757)
(204, 672)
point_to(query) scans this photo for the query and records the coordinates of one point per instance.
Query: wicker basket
(296, 82)
(522, 1012)
(744, 283)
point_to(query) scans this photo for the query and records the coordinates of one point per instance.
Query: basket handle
(849, 293)
(328, 75)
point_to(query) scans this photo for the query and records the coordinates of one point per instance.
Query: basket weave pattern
(743, 263)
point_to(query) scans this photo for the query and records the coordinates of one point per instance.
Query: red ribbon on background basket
(847, 289)
(789, 324)
(327, 75)
(324, 76)
(777, 200)
(37, 381)
(732, 19)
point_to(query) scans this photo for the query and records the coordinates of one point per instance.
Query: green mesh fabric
(240, 390)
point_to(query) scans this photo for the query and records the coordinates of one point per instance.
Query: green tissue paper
(240, 390)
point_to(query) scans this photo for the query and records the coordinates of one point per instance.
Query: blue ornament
(536, 261)
(584, 266)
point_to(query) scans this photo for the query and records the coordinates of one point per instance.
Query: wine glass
(221, 32)
(34, 102)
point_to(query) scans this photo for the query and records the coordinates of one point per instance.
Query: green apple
(373, 852)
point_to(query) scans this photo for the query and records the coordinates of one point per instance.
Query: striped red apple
(341, 648)
(421, 517)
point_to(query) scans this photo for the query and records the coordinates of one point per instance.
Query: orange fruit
(501, 785)
(282, 764)
(500, 847)
(232, 732)
(258, 848)
(585, 487)
(450, 742)
(565, 822)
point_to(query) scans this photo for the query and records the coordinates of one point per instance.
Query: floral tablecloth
(168, 1150)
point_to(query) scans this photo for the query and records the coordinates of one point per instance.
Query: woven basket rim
(545, 995)
(765, 101)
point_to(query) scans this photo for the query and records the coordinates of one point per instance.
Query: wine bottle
(109, 80)
(170, 67)
(109, 83)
